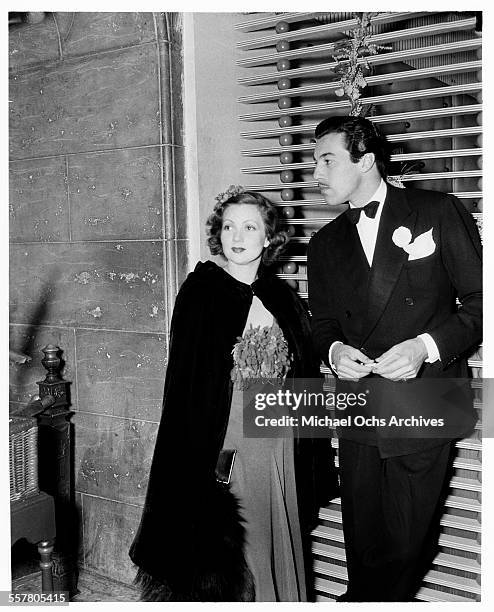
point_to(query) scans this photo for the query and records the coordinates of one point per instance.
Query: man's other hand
(402, 360)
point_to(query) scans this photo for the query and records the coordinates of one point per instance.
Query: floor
(92, 587)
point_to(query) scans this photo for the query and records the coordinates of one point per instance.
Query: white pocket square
(421, 247)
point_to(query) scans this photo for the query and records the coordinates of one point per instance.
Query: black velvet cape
(189, 545)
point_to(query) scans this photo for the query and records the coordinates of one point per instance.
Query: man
(383, 283)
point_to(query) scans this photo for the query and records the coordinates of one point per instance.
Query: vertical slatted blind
(426, 94)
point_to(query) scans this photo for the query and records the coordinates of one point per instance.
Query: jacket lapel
(388, 258)
(352, 263)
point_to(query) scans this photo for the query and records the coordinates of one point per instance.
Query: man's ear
(367, 162)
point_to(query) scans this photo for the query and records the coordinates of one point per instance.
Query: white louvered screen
(426, 94)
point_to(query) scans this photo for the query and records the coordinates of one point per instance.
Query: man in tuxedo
(383, 281)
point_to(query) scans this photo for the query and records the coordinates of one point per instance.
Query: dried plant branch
(352, 66)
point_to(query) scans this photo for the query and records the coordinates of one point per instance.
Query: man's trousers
(391, 510)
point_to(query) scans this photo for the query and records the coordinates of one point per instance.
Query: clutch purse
(224, 465)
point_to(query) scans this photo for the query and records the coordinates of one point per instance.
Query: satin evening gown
(263, 480)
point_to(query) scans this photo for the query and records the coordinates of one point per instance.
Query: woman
(200, 539)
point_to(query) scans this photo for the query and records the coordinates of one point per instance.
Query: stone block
(121, 373)
(117, 194)
(92, 32)
(96, 102)
(33, 43)
(109, 529)
(114, 285)
(38, 204)
(113, 456)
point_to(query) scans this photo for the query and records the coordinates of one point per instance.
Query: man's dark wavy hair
(277, 238)
(361, 137)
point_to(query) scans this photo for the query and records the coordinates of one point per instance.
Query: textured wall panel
(113, 456)
(92, 32)
(38, 205)
(94, 103)
(121, 373)
(99, 244)
(117, 194)
(33, 44)
(109, 528)
(112, 285)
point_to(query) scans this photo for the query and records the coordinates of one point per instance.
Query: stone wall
(98, 239)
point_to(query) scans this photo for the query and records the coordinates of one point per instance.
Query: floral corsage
(260, 353)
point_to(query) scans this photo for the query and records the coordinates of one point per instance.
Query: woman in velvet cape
(189, 543)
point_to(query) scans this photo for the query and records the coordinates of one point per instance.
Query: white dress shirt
(367, 227)
(367, 230)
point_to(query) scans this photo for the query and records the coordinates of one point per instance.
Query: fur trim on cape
(218, 570)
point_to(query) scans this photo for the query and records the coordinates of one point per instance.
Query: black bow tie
(370, 210)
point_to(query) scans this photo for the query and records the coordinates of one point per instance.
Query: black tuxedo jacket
(374, 308)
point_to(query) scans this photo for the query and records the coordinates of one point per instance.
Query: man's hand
(402, 360)
(350, 363)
